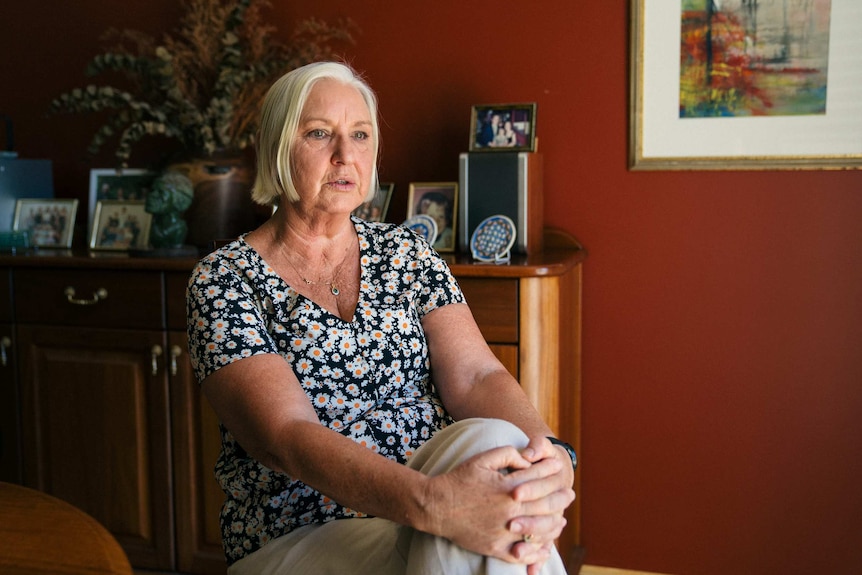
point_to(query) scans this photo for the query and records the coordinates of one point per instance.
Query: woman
(511, 136)
(315, 338)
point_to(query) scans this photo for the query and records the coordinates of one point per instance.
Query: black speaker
(501, 183)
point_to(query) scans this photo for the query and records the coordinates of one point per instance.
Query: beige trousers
(381, 547)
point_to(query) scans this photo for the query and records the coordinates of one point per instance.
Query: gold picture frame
(49, 223)
(660, 139)
(120, 226)
(440, 201)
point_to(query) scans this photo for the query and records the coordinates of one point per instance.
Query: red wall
(722, 376)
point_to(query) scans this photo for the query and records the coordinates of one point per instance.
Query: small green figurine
(171, 195)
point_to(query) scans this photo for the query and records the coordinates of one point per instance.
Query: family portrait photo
(131, 184)
(503, 127)
(120, 225)
(49, 223)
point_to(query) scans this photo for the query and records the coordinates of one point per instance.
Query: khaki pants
(380, 547)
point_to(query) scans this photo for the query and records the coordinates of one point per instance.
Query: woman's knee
(489, 432)
(464, 439)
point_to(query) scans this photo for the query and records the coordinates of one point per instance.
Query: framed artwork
(503, 128)
(120, 225)
(745, 84)
(49, 223)
(375, 209)
(439, 200)
(119, 185)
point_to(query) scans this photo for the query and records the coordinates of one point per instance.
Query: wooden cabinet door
(197, 444)
(95, 428)
(10, 430)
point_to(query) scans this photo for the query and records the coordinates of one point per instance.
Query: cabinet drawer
(94, 298)
(494, 303)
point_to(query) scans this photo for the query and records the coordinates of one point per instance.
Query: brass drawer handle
(98, 296)
(155, 354)
(5, 344)
(176, 352)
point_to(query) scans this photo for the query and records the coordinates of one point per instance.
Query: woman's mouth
(341, 183)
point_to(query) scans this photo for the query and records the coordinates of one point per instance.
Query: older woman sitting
(366, 425)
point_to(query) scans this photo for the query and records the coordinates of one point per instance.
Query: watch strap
(569, 449)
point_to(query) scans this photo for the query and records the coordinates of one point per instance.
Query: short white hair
(279, 121)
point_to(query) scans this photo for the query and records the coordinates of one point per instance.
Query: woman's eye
(361, 135)
(317, 134)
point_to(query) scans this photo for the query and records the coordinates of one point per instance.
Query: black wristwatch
(569, 449)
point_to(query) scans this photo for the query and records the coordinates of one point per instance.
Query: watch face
(569, 449)
(573, 456)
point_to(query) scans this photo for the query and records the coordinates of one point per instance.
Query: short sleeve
(437, 286)
(226, 319)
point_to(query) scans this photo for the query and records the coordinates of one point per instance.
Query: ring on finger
(528, 537)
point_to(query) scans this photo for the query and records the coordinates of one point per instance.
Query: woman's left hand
(549, 494)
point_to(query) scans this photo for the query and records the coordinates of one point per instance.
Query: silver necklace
(333, 288)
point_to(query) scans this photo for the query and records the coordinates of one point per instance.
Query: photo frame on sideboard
(439, 200)
(49, 223)
(131, 184)
(120, 225)
(375, 209)
(503, 128)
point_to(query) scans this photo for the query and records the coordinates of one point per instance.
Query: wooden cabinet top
(560, 254)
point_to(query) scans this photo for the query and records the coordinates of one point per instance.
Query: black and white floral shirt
(368, 379)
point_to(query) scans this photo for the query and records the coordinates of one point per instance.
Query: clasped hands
(506, 503)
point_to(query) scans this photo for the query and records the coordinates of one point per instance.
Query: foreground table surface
(42, 534)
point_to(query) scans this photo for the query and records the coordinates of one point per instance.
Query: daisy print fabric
(368, 379)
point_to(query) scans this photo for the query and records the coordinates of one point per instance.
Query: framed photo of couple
(503, 128)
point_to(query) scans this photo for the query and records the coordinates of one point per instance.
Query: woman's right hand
(475, 504)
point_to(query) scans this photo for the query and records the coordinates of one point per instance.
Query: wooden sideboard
(99, 406)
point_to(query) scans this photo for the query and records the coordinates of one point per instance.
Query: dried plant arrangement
(203, 83)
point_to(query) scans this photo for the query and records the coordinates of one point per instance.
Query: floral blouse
(368, 379)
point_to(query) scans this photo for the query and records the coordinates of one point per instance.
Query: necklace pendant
(333, 289)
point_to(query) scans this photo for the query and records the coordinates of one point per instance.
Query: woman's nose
(342, 151)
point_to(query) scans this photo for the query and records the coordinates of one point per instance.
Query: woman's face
(333, 155)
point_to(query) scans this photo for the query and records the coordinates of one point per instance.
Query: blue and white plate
(423, 225)
(493, 239)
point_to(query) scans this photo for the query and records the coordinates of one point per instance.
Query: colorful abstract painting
(754, 57)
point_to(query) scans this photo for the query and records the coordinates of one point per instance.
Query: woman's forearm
(354, 476)
(470, 379)
(269, 415)
(496, 394)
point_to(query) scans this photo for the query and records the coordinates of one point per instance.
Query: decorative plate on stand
(423, 225)
(493, 239)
